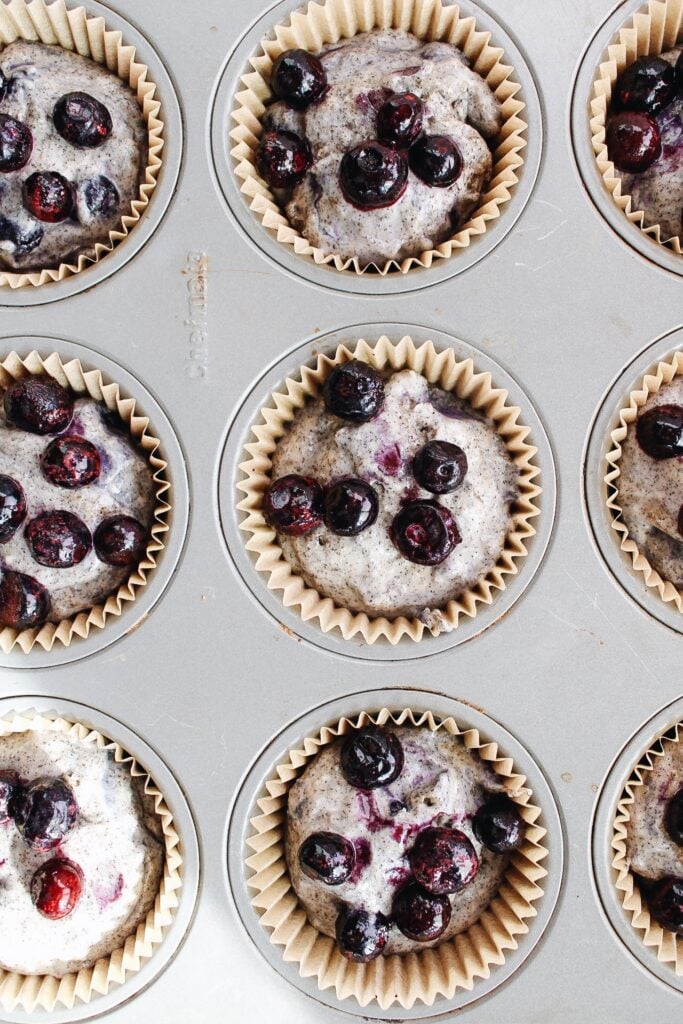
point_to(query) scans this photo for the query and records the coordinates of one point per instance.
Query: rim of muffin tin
(181, 922)
(598, 516)
(134, 612)
(243, 561)
(326, 275)
(160, 200)
(582, 148)
(252, 786)
(601, 854)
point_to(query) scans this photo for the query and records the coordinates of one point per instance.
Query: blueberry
(371, 757)
(12, 507)
(9, 782)
(293, 505)
(498, 825)
(39, 405)
(399, 120)
(666, 904)
(298, 78)
(673, 817)
(56, 888)
(425, 532)
(354, 391)
(58, 539)
(45, 812)
(82, 120)
(16, 143)
(646, 86)
(660, 431)
(361, 935)
(440, 467)
(24, 240)
(350, 507)
(679, 70)
(327, 857)
(24, 602)
(101, 196)
(436, 160)
(70, 462)
(419, 914)
(443, 860)
(3, 85)
(372, 175)
(633, 141)
(120, 540)
(282, 158)
(48, 196)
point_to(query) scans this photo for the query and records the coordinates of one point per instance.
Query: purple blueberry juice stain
(75, 427)
(403, 833)
(371, 101)
(397, 875)
(363, 858)
(369, 812)
(105, 896)
(389, 460)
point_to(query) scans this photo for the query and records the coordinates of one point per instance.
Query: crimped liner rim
(439, 368)
(668, 946)
(318, 24)
(649, 32)
(74, 29)
(45, 992)
(650, 385)
(409, 978)
(91, 383)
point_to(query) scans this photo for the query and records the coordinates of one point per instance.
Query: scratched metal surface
(208, 679)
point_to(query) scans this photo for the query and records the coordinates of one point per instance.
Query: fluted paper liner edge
(318, 24)
(650, 385)
(668, 946)
(651, 31)
(91, 383)
(441, 369)
(74, 29)
(45, 992)
(399, 978)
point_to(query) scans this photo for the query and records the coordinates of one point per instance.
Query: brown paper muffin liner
(319, 24)
(74, 29)
(650, 385)
(90, 383)
(669, 947)
(45, 992)
(441, 369)
(415, 977)
(654, 30)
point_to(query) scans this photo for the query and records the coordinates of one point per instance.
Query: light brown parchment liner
(44, 992)
(650, 385)
(414, 977)
(319, 24)
(441, 369)
(669, 947)
(649, 32)
(90, 383)
(73, 29)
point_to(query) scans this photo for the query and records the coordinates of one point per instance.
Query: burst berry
(440, 467)
(673, 817)
(45, 812)
(372, 175)
(16, 144)
(70, 462)
(24, 240)
(48, 196)
(354, 391)
(39, 405)
(56, 888)
(350, 507)
(101, 196)
(443, 860)
(436, 160)
(120, 541)
(419, 914)
(361, 936)
(9, 782)
(633, 141)
(425, 532)
(24, 602)
(327, 857)
(82, 120)
(498, 825)
(399, 120)
(660, 431)
(12, 507)
(371, 757)
(282, 158)
(293, 504)
(666, 904)
(646, 86)
(298, 78)
(58, 539)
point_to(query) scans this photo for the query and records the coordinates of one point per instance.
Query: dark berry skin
(120, 541)
(16, 144)
(659, 431)
(633, 141)
(399, 120)
(23, 240)
(3, 86)
(350, 507)
(58, 539)
(425, 532)
(298, 78)
(666, 904)
(354, 391)
(679, 70)
(372, 175)
(45, 812)
(440, 467)
(646, 86)
(101, 196)
(282, 158)
(436, 160)
(327, 857)
(70, 462)
(293, 505)
(24, 602)
(498, 825)
(12, 507)
(82, 120)
(8, 785)
(48, 196)
(371, 757)
(443, 860)
(419, 914)
(361, 936)
(56, 888)
(673, 817)
(39, 405)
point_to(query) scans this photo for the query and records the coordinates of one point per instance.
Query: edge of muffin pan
(134, 612)
(243, 562)
(251, 787)
(597, 515)
(325, 275)
(162, 196)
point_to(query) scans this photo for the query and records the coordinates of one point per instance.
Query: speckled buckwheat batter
(652, 852)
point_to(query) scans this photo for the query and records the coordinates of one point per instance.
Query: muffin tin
(196, 324)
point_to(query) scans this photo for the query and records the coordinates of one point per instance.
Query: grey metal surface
(207, 680)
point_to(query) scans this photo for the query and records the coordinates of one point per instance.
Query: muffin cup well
(73, 29)
(650, 385)
(91, 383)
(440, 369)
(45, 992)
(404, 979)
(650, 32)
(320, 24)
(668, 946)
